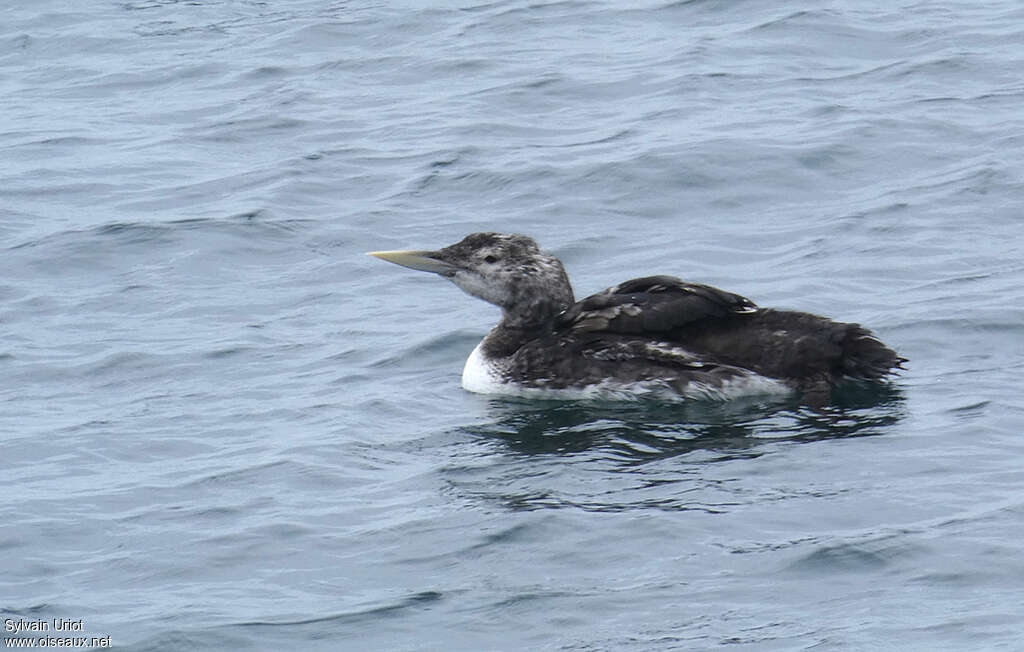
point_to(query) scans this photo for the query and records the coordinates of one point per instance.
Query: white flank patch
(482, 377)
(739, 387)
(487, 377)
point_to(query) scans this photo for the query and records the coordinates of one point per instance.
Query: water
(224, 427)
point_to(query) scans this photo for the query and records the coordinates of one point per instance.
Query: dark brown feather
(653, 304)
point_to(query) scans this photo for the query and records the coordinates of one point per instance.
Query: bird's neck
(523, 324)
(534, 313)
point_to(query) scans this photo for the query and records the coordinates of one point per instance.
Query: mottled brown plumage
(656, 332)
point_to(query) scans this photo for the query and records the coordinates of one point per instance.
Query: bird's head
(509, 271)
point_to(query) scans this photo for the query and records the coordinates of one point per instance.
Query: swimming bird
(654, 336)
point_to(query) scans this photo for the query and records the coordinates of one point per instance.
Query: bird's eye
(491, 259)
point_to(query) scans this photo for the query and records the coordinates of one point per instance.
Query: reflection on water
(643, 431)
(613, 457)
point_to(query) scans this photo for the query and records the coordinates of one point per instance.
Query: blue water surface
(224, 427)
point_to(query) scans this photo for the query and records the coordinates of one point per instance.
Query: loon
(653, 336)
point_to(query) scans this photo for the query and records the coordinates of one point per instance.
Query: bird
(653, 337)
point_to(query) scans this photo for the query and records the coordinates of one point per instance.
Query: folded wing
(653, 304)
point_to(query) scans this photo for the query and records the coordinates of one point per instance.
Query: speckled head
(509, 271)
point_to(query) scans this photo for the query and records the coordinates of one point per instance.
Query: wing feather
(652, 304)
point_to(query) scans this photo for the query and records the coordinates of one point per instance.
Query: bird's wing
(652, 304)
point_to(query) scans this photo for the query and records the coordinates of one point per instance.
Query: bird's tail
(865, 357)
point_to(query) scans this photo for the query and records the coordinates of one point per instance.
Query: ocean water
(222, 426)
